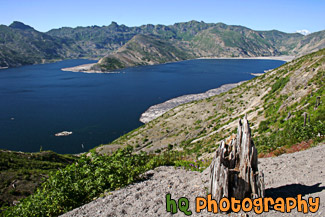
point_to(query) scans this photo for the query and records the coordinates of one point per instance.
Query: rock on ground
(286, 176)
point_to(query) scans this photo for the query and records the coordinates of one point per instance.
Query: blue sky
(287, 16)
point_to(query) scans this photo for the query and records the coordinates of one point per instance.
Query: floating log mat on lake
(63, 133)
(234, 170)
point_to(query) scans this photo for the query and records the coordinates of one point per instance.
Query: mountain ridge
(20, 45)
(198, 39)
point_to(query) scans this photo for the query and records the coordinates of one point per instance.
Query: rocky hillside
(106, 39)
(310, 43)
(21, 44)
(274, 103)
(199, 39)
(142, 50)
(233, 41)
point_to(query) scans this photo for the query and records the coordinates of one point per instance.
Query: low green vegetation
(280, 83)
(279, 131)
(21, 173)
(90, 177)
(286, 125)
(196, 165)
(108, 63)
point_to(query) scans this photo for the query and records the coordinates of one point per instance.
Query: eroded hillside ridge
(215, 40)
(267, 100)
(142, 50)
(20, 44)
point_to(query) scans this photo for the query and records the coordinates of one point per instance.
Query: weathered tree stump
(234, 170)
(305, 118)
(288, 117)
(317, 102)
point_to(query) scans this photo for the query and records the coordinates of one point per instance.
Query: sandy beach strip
(80, 68)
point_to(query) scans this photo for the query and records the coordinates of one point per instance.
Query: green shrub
(264, 126)
(196, 165)
(86, 179)
(293, 132)
(279, 84)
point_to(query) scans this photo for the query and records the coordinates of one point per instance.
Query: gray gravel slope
(287, 175)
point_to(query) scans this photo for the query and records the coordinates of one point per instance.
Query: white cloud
(303, 31)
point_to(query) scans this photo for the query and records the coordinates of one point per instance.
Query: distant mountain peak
(113, 23)
(303, 32)
(20, 25)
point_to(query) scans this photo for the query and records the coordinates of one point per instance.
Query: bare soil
(285, 176)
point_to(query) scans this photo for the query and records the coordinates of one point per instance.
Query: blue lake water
(40, 100)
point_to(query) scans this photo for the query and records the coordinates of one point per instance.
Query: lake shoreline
(86, 68)
(157, 110)
(282, 58)
(100, 99)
